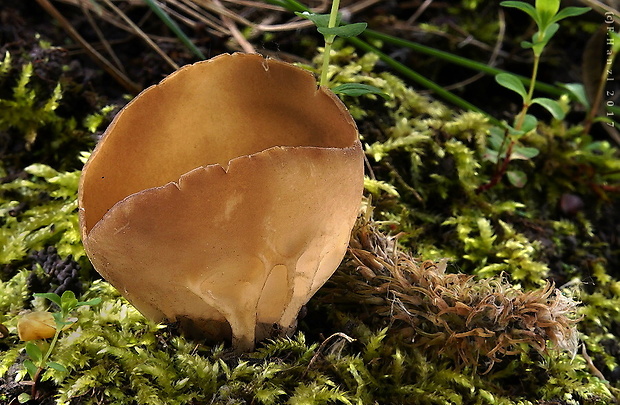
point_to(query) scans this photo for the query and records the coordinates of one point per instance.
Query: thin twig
(99, 59)
(419, 11)
(256, 4)
(141, 34)
(603, 8)
(237, 35)
(321, 348)
(496, 50)
(590, 363)
(358, 6)
(290, 26)
(104, 14)
(102, 39)
(192, 9)
(223, 11)
(187, 7)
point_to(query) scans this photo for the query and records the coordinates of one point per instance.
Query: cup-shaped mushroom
(223, 197)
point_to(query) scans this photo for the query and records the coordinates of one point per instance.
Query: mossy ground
(371, 335)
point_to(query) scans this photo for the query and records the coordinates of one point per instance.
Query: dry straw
(476, 322)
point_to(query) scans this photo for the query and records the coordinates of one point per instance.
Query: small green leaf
(605, 120)
(546, 10)
(31, 369)
(34, 352)
(5, 65)
(320, 20)
(67, 296)
(55, 298)
(491, 155)
(570, 12)
(41, 170)
(541, 38)
(359, 89)
(60, 320)
(511, 82)
(529, 123)
(517, 178)
(348, 30)
(528, 8)
(497, 138)
(526, 44)
(552, 106)
(523, 153)
(578, 91)
(376, 187)
(56, 366)
(23, 398)
(68, 301)
(615, 42)
(547, 34)
(547, 6)
(94, 301)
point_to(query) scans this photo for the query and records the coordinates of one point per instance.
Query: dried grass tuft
(474, 321)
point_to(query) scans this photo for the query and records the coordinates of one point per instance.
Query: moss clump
(117, 356)
(39, 209)
(465, 319)
(33, 127)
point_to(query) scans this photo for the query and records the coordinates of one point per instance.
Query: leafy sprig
(546, 15)
(330, 25)
(38, 360)
(504, 143)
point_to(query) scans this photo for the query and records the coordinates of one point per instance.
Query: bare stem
(596, 102)
(530, 94)
(51, 347)
(329, 40)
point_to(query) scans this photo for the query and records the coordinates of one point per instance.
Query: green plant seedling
(504, 142)
(501, 152)
(546, 15)
(330, 26)
(38, 360)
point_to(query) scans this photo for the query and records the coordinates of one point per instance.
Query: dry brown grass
(475, 322)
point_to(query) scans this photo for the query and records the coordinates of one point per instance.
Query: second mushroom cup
(223, 198)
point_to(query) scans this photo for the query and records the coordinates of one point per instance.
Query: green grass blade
(174, 27)
(405, 71)
(290, 5)
(459, 60)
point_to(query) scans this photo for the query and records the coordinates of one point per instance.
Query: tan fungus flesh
(224, 197)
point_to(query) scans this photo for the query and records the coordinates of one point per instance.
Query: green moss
(32, 126)
(13, 294)
(40, 211)
(116, 356)
(23, 114)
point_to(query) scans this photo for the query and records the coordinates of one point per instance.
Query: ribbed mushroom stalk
(223, 198)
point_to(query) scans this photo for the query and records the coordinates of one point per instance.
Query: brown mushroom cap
(223, 197)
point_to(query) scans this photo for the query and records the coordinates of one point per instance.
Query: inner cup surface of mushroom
(223, 197)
